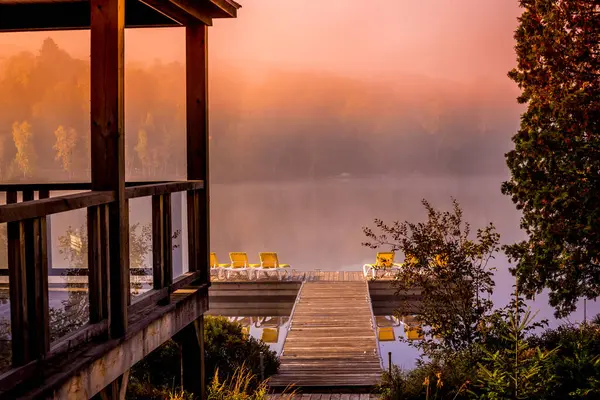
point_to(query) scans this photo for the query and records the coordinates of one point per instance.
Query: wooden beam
(108, 145)
(162, 188)
(191, 341)
(196, 9)
(61, 15)
(83, 372)
(197, 147)
(170, 10)
(67, 186)
(41, 208)
(226, 8)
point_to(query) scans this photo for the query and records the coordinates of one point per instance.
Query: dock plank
(331, 342)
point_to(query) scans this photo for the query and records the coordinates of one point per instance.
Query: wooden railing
(27, 233)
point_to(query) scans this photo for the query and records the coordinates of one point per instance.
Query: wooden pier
(331, 344)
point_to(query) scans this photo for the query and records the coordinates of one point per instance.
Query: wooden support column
(197, 147)
(108, 146)
(191, 341)
(162, 243)
(116, 390)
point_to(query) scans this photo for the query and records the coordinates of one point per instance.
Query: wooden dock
(331, 344)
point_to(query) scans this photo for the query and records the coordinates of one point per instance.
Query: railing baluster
(97, 263)
(28, 271)
(18, 289)
(162, 243)
(37, 286)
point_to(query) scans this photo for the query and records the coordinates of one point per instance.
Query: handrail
(374, 324)
(40, 208)
(65, 186)
(158, 189)
(53, 205)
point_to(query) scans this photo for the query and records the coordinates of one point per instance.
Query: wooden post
(45, 194)
(191, 341)
(116, 390)
(197, 147)
(98, 267)
(108, 146)
(162, 242)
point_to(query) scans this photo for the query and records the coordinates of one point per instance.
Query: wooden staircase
(331, 345)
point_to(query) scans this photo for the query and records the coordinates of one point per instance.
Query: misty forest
(289, 125)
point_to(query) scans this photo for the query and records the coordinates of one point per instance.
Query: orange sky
(462, 40)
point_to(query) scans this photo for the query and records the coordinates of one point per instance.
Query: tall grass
(238, 387)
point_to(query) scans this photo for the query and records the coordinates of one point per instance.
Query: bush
(429, 380)
(576, 363)
(226, 350)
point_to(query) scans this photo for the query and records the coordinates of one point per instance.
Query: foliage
(25, 157)
(555, 164)
(515, 371)
(227, 348)
(242, 385)
(65, 146)
(226, 352)
(146, 391)
(576, 363)
(161, 369)
(430, 380)
(452, 271)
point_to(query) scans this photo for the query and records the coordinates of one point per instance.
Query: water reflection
(271, 330)
(391, 330)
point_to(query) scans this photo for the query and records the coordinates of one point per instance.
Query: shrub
(242, 385)
(576, 363)
(429, 380)
(226, 349)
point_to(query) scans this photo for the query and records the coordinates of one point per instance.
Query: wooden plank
(158, 249)
(40, 208)
(18, 288)
(191, 341)
(108, 146)
(321, 350)
(158, 189)
(197, 147)
(97, 220)
(67, 15)
(36, 261)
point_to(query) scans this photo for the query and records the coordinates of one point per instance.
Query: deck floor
(304, 276)
(331, 342)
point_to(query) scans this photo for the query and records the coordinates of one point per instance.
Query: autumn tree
(451, 267)
(141, 149)
(25, 157)
(64, 146)
(555, 163)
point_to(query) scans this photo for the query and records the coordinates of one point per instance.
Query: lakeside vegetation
(472, 349)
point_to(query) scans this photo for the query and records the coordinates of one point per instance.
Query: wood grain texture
(108, 145)
(331, 342)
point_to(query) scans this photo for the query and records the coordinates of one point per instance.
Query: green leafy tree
(451, 269)
(555, 164)
(516, 371)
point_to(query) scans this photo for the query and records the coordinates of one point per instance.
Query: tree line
(292, 125)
